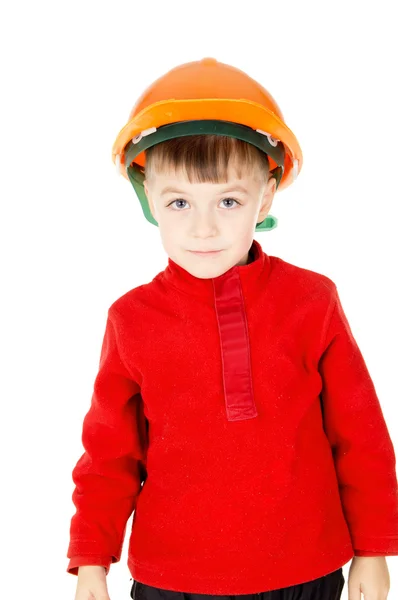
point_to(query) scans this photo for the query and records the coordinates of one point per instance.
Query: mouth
(208, 253)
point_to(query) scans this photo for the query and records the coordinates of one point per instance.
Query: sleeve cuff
(376, 547)
(79, 561)
(375, 553)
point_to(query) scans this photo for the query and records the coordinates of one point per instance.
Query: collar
(251, 276)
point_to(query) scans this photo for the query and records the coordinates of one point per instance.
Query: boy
(231, 385)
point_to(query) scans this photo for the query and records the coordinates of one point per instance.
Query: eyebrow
(234, 188)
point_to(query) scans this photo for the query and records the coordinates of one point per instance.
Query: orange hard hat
(206, 97)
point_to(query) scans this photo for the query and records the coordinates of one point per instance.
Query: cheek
(169, 237)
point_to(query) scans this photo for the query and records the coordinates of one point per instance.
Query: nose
(204, 225)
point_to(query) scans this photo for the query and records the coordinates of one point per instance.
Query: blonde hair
(206, 158)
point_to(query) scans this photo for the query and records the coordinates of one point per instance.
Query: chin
(208, 271)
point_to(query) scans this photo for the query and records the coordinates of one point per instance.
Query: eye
(223, 200)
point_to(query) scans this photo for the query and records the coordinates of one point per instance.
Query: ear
(149, 198)
(267, 199)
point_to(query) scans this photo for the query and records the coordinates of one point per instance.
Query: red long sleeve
(362, 448)
(108, 474)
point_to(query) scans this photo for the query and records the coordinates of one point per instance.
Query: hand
(91, 583)
(369, 575)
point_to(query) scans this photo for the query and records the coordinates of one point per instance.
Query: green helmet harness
(262, 140)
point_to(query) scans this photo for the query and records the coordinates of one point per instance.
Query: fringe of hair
(206, 158)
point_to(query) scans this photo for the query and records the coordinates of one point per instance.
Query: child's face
(203, 217)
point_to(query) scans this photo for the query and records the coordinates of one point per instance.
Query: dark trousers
(327, 587)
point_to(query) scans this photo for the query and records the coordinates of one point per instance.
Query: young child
(232, 411)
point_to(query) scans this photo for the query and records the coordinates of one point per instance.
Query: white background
(74, 237)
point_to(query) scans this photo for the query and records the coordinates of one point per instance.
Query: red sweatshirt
(244, 406)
